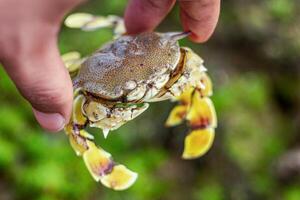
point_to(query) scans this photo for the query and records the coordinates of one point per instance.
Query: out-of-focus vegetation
(253, 59)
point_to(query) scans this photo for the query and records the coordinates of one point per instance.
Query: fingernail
(53, 122)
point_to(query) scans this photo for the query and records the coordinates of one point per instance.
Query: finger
(42, 79)
(200, 17)
(145, 15)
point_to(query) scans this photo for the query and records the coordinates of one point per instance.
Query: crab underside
(104, 99)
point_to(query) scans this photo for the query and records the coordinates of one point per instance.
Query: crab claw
(120, 178)
(202, 119)
(197, 143)
(72, 61)
(77, 115)
(178, 113)
(103, 169)
(186, 97)
(98, 161)
(197, 109)
(202, 113)
(78, 144)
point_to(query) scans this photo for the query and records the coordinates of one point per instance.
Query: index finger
(145, 15)
(200, 17)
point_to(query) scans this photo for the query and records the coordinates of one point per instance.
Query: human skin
(29, 53)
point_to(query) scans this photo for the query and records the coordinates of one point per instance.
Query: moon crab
(116, 84)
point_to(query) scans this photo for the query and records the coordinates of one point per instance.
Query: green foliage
(282, 9)
(292, 193)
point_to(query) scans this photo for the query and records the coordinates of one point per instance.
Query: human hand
(29, 53)
(198, 16)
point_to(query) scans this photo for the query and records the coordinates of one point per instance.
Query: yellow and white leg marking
(103, 169)
(99, 162)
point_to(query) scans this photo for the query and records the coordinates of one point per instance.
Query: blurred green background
(254, 61)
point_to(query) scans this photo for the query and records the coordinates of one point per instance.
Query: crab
(116, 83)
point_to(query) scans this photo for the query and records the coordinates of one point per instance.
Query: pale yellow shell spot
(137, 93)
(150, 93)
(160, 81)
(130, 85)
(197, 143)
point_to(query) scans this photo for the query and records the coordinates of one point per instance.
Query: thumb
(40, 76)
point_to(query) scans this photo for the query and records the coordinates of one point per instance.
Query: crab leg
(89, 22)
(72, 61)
(201, 118)
(99, 162)
(196, 108)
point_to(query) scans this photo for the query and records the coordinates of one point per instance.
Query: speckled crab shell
(130, 65)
